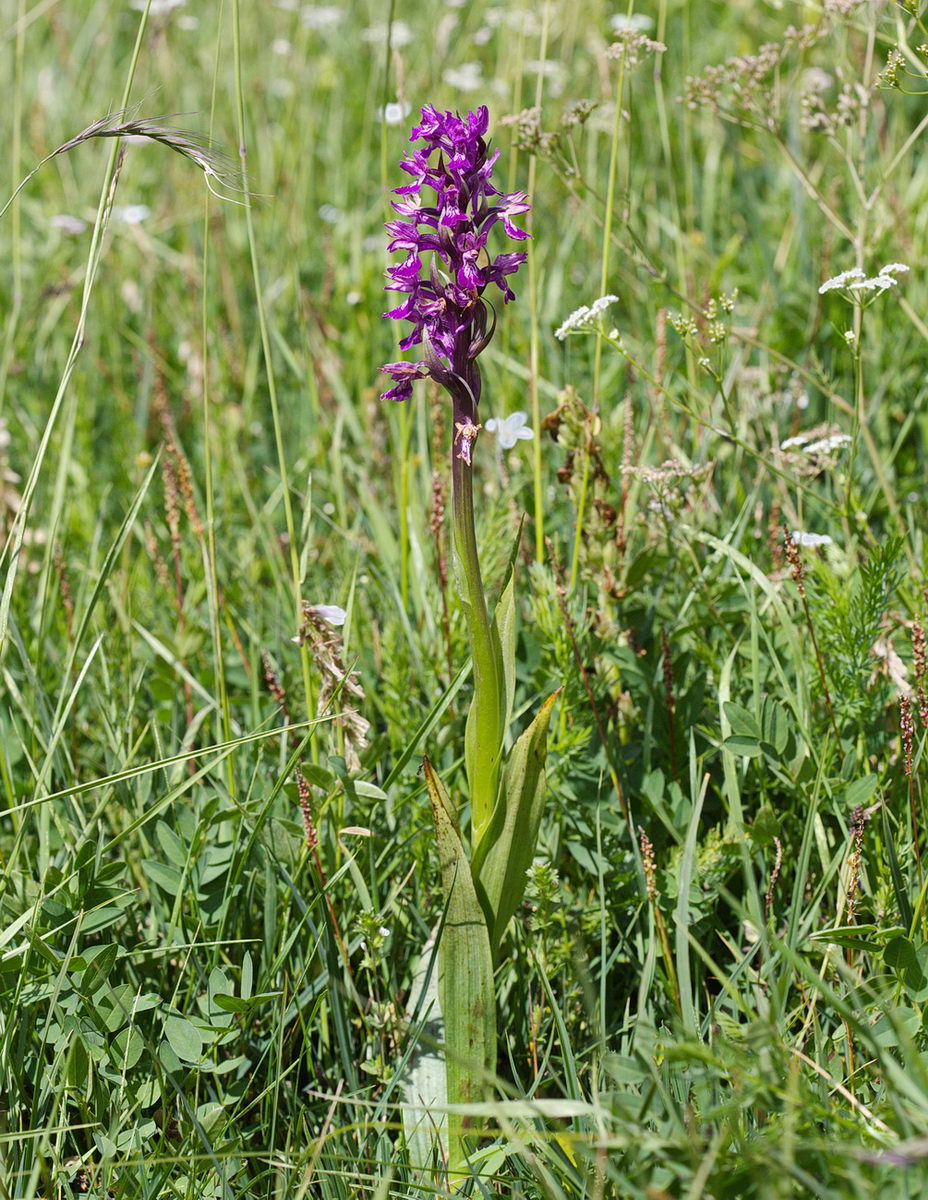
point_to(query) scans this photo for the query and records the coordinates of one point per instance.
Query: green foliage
(849, 608)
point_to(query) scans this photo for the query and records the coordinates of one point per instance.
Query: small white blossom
(584, 316)
(840, 281)
(468, 77)
(131, 214)
(630, 23)
(801, 538)
(400, 34)
(878, 283)
(158, 7)
(395, 112)
(509, 430)
(330, 214)
(816, 80)
(850, 336)
(281, 46)
(809, 444)
(855, 280)
(68, 224)
(330, 613)
(828, 445)
(319, 16)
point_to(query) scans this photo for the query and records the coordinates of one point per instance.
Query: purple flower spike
(444, 297)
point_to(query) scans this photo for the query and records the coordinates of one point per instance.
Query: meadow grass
(219, 867)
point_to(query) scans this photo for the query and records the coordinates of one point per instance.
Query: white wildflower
(509, 430)
(468, 77)
(159, 8)
(524, 21)
(131, 214)
(850, 336)
(840, 281)
(630, 22)
(331, 613)
(330, 214)
(399, 32)
(395, 112)
(801, 538)
(816, 80)
(584, 316)
(555, 73)
(877, 283)
(281, 46)
(68, 224)
(855, 280)
(320, 16)
(811, 443)
(828, 445)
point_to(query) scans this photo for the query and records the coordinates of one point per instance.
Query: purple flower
(447, 213)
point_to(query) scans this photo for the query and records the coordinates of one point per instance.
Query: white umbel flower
(584, 316)
(855, 280)
(801, 538)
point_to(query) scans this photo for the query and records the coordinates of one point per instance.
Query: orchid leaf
(465, 981)
(506, 850)
(503, 642)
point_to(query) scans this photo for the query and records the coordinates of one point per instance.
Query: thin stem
(214, 597)
(598, 348)
(534, 332)
(485, 722)
(269, 369)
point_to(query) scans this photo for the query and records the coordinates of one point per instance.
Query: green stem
(485, 720)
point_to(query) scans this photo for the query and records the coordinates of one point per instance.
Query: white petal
(329, 612)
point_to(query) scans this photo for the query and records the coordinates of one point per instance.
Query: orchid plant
(447, 215)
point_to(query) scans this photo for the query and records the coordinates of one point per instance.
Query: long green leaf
(506, 850)
(465, 982)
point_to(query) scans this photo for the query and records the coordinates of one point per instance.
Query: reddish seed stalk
(798, 574)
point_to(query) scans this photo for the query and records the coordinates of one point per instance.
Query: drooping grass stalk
(11, 553)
